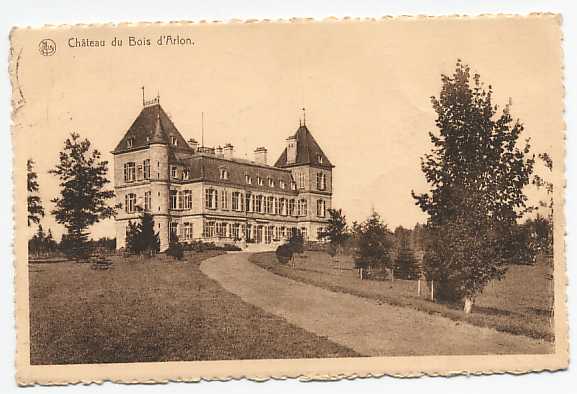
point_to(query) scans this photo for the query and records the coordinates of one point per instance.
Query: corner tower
(312, 173)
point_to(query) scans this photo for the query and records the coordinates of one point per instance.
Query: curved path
(360, 324)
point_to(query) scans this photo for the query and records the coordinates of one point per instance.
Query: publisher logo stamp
(47, 47)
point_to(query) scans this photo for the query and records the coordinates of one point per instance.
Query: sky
(366, 87)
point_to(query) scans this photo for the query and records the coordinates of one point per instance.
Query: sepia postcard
(289, 199)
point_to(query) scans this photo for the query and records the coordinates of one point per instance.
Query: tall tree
(35, 208)
(477, 174)
(373, 244)
(336, 231)
(83, 198)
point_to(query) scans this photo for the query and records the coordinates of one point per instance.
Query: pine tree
(374, 244)
(406, 263)
(477, 174)
(141, 238)
(83, 198)
(336, 231)
(35, 209)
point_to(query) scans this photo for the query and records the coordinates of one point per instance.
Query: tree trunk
(468, 305)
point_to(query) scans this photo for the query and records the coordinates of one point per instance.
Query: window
(321, 181)
(275, 209)
(130, 203)
(139, 174)
(259, 181)
(224, 200)
(304, 233)
(320, 232)
(282, 206)
(221, 229)
(237, 201)
(129, 142)
(321, 210)
(173, 231)
(173, 172)
(211, 199)
(268, 235)
(320, 159)
(209, 229)
(249, 202)
(187, 199)
(185, 174)
(173, 199)
(174, 140)
(223, 173)
(302, 208)
(180, 200)
(235, 231)
(129, 172)
(147, 201)
(270, 205)
(291, 207)
(187, 231)
(258, 206)
(270, 182)
(146, 165)
(282, 184)
(301, 179)
(293, 185)
(248, 179)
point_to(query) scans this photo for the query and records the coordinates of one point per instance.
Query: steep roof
(308, 151)
(152, 125)
(207, 167)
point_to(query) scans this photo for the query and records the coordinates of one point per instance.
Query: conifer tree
(35, 208)
(83, 198)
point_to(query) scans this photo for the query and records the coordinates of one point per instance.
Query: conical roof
(152, 125)
(308, 151)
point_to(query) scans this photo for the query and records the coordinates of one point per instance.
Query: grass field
(153, 310)
(518, 304)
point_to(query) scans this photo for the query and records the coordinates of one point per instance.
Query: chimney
(193, 144)
(228, 151)
(291, 150)
(260, 155)
(218, 151)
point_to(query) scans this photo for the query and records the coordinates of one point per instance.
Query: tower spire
(304, 116)
(142, 87)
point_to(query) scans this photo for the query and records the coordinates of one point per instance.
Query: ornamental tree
(83, 199)
(477, 172)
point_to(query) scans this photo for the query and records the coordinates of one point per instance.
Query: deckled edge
(18, 101)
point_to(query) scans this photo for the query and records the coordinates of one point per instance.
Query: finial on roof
(304, 116)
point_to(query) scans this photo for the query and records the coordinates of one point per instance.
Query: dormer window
(147, 139)
(129, 142)
(173, 172)
(174, 141)
(248, 179)
(185, 174)
(270, 182)
(320, 159)
(259, 181)
(293, 185)
(281, 184)
(223, 173)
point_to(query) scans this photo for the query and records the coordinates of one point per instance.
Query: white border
(37, 13)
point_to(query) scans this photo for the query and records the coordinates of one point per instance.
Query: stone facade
(199, 193)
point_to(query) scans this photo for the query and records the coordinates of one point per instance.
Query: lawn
(518, 304)
(153, 310)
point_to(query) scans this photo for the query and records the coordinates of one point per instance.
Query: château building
(200, 193)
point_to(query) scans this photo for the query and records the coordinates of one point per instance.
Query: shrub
(284, 253)
(176, 250)
(231, 248)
